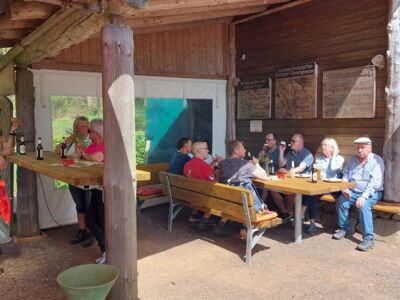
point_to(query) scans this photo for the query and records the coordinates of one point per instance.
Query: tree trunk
(27, 201)
(119, 165)
(391, 150)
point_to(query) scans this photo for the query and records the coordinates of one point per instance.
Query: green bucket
(88, 282)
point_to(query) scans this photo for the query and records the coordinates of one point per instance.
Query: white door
(56, 206)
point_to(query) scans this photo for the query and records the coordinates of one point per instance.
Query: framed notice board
(349, 93)
(296, 92)
(254, 99)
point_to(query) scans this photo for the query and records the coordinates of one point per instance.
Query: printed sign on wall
(254, 99)
(349, 93)
(296, 92)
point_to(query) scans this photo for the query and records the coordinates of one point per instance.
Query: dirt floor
(188, 264)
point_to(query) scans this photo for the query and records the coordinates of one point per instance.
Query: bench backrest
(213, 196)
(153, 169)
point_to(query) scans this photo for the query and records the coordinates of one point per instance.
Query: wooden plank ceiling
(18, 18)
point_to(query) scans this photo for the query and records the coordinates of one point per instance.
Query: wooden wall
(334, 33)
(198, 51)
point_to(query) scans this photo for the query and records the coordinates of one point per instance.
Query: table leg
(298, 219)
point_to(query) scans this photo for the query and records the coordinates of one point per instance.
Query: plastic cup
(281, 175)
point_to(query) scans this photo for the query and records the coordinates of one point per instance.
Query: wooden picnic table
(82, 174)
(299, 187)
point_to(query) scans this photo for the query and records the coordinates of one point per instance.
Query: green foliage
(66, 108)
(140, 147)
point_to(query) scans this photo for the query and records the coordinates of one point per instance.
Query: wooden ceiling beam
(8, 34)
(178, 26)
(273, 10)
(175, 19)
(172, 7)
(21, 10)
(19, 24)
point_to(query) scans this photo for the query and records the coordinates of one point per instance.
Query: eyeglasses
(204, 148)
(270, 140)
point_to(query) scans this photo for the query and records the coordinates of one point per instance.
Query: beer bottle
(249, 156)
(39, 150)
(271, 167)
(22, 147)
(314, 174)
(63, 148)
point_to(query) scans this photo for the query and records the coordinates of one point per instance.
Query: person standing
(81, 197)
(367, 170)
(95, 212)
(6, 148)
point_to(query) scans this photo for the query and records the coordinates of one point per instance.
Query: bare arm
(282, 160)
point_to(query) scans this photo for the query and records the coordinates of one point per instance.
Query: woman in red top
(95, 212)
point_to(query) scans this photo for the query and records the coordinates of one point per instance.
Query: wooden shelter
(234, 40)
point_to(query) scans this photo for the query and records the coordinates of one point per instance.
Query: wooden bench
(233, 203)
(381, 206)
(154, 181)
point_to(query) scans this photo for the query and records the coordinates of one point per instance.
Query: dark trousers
(95, 218)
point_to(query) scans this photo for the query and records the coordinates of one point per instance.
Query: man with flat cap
(366, 169)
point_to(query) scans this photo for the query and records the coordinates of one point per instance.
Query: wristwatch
(13, 133)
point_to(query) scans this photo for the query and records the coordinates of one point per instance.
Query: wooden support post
(391, 149)
(27, 201)
(231, 117)
(119, 164)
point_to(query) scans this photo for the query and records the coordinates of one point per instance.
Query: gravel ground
(188, 264)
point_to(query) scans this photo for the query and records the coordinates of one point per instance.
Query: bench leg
(138, 207)
(253, 236)
(174, 210)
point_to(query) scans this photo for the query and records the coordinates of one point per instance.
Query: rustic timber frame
(41, 29)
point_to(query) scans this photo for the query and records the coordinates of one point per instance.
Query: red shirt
(197, 168)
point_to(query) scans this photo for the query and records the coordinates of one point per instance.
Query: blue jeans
(258, 203)
(343, 205)
(311, 203)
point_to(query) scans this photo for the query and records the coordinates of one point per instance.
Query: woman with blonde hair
(330, 163)
(81, 197)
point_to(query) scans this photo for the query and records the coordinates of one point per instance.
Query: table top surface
(81, 174)
(303, 186)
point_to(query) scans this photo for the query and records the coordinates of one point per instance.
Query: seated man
(199, 169)
(302, 159)
(239, 172)
(366, 169)
(181, 157)
(270, 150)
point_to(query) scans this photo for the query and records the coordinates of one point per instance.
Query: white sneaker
(102, 259)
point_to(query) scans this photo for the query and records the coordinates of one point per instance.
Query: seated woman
(6, 147)
(95, 211)
(330, 163)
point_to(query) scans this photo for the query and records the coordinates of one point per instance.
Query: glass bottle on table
(39, 150)
(271, 167)
(292, 170)
(22, 147)
(63, 148)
